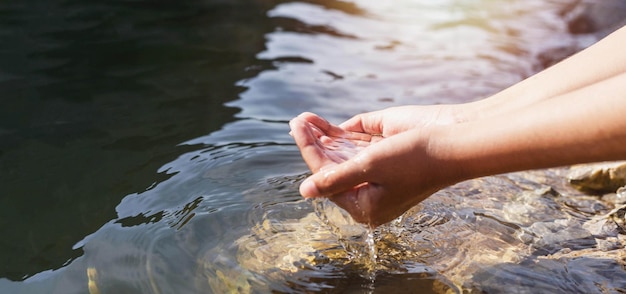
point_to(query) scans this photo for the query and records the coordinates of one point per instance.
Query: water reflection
(96, 97)
(386, 55)
(191, 199)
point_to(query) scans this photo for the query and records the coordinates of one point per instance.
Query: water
(144, 148)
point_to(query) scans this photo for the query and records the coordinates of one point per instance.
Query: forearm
(601, 61)
(586, 125)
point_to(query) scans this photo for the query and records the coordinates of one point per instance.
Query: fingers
(323, 130)
(360, 203)
(354, 124)
(307, 141)
(335, 179)
(356, 202)
(349, 201)
(367, 123)
(314, 137)
(322, 124)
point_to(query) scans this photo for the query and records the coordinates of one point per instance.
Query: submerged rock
(474, 236)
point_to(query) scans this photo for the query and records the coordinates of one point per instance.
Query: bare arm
(391, 175)
(574, 112)
(586, 125)
(600, 61)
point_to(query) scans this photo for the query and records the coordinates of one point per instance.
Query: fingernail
(308, 189)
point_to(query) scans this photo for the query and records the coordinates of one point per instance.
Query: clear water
(144, 148)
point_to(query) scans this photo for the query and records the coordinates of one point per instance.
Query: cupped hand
(323, 144)
(365, 173)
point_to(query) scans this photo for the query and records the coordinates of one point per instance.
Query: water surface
(144, 147)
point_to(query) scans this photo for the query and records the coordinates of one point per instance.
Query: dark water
(144, 145)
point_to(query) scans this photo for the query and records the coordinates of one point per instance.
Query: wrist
(442, 153)
(477, 110)
(474, 149)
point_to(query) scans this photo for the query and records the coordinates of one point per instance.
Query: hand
(366, 174)
(379, 164)
(394, 120)
(322, 144)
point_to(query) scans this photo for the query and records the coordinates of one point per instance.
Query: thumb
(336, 179)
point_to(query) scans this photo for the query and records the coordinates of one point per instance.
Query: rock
(597, 17)
(599, 178)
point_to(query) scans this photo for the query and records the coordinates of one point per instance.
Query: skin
(379, 164)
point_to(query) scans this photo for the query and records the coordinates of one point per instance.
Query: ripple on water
(460, 238)
(299, 247)
(567, 275)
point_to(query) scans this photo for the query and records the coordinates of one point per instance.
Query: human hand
(394, 120)
(364, 173)
(323, 144)
(379, 164)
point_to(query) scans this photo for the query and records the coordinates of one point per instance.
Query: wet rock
(612, 224)
(608, 244)
(617, 198)
(560, 233)
(599, 178)
(597, 17)
(527, 207)
(590, 20)
(618, 216)
(477, 236)
(546, 275)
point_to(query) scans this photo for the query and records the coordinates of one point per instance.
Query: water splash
(372, 253)
(357, 239)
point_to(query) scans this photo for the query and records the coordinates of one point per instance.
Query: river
(144, 146)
